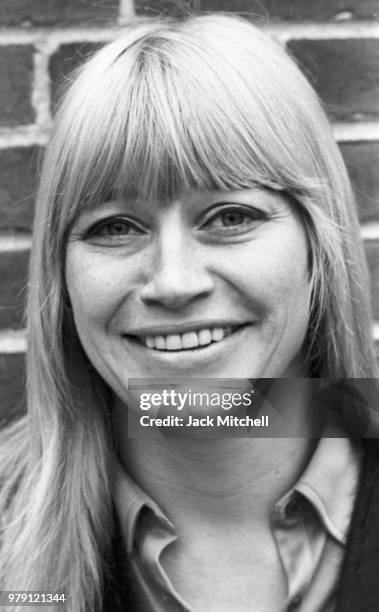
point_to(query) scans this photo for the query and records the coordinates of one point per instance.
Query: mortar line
(283, 31)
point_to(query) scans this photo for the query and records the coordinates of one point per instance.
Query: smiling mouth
(191, 340)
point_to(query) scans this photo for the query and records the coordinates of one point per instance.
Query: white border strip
(12, 341)
(376, 331)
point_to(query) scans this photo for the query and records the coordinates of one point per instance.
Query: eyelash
(96, 229)
(244, 211)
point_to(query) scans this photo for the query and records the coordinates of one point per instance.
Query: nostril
(173, 296)
(174, 283)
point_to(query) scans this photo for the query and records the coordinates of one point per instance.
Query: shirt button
(293, 508)
(295, 603)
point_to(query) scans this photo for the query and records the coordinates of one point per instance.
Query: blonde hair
(206, 102)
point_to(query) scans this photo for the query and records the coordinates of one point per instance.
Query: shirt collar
(330, 481)
(129, 500)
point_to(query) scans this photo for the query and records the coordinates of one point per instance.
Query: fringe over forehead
(206, 103)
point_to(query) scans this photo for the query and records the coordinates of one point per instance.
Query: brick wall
(336, 41)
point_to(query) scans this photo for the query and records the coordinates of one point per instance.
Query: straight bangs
(146, 121)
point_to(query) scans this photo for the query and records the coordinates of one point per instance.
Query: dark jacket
(358, 589)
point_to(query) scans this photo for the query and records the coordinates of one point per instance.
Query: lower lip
(197, 353)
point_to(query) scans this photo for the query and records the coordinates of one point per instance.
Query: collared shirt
(309, 525)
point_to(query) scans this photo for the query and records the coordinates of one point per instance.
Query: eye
(114, 228)
(234, 219)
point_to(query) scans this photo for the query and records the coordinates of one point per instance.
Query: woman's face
(209, 285)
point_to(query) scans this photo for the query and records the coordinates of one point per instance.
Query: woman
(194, 220)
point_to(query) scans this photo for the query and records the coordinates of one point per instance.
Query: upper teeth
(192, 339)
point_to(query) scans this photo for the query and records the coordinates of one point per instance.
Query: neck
(218, 480)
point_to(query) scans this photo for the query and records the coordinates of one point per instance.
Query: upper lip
(182, 328)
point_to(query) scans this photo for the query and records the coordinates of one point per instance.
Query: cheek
(290, 286)
(288, 280)
(290, 277)
(95, 287)
(274, 275)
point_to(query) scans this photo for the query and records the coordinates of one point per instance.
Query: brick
(18, 184)
(12, 382)
(345, 73)
(64, 61)
(362, 161)
(372, 253)
(275, 10)
(13, 274)
(16, 74)
(57, 12)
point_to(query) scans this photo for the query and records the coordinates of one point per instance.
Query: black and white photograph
(189, 305)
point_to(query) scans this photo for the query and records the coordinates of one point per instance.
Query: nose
(178, 272)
